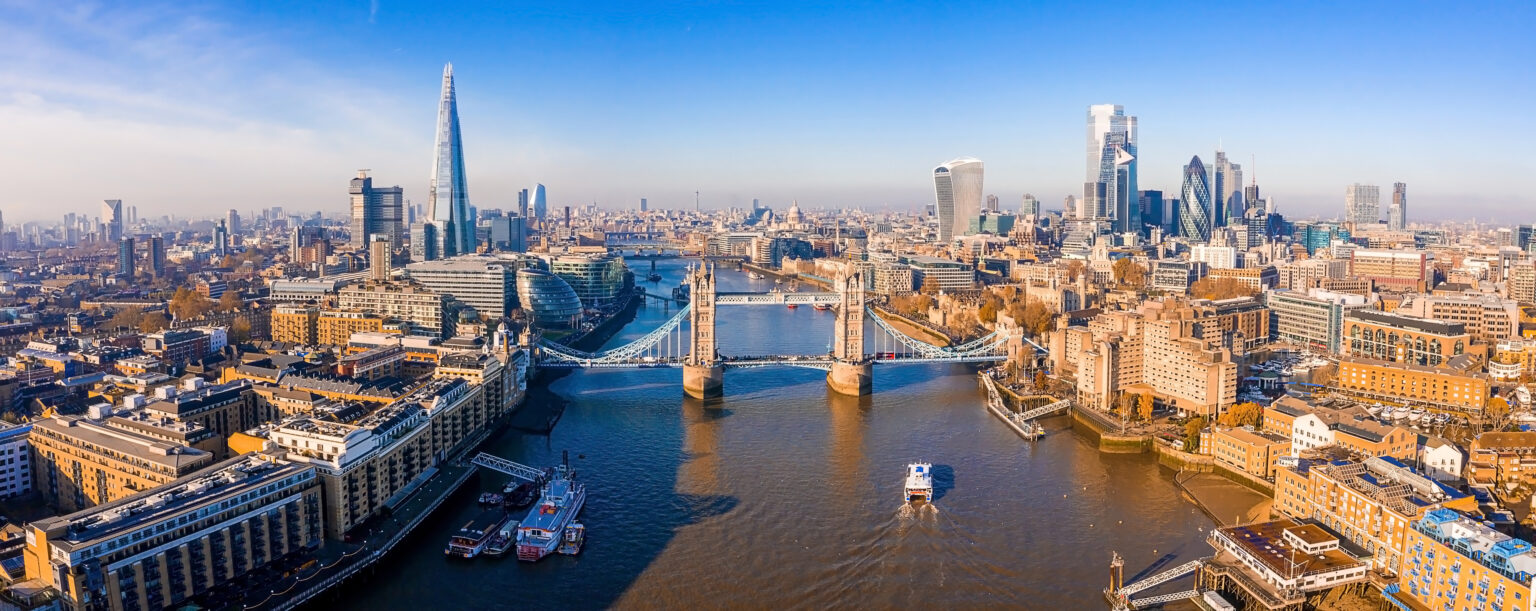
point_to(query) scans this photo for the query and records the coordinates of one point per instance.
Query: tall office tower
(221, 239)
(425, 242)
(1029, 206)
(1195, 203)
(378, 258)
(1226, 178)
(1362, 204)
(1154, 210)
(540, 206)
(376, 211)
(1112, 160)
(157, 256)
(957, 195)
(1069, 207)
(1251, 197)
(1397, 211)
(522, 203)
(125, 258)
(448, 194)
(1091, 206)
(642, 204)
(232, 222)
(991, 203)
(112, 218)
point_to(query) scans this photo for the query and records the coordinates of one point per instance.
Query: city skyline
(310, 113)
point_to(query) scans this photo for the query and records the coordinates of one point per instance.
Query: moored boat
(919, 482)
(823, 306)
(791, 306)
(575, 535)
(543, 530)
(476, 534)
(521, 496)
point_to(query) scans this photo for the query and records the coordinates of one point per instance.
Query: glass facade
(957, 195)
(549, 301)
(448, 194)
(597, 279)
(1195, 203)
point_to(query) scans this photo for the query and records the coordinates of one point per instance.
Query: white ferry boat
(919, 482)
(754, 275)
(560, 500)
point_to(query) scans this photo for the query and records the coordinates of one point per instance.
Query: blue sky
(192, 110)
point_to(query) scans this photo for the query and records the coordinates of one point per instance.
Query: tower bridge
(849, 363)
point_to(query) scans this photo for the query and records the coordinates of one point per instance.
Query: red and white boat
(541, 532)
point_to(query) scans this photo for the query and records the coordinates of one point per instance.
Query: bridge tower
(703, 376)
(852, 373)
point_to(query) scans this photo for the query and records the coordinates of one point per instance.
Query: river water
(786, 495)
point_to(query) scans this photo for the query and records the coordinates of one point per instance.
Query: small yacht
(919, 482)
(754, 275)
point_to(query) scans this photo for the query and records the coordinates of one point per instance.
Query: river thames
(786, 495)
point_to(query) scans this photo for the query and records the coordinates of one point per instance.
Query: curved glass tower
(540, 206)
(957, 196)
(448, 196)
(1195, 203)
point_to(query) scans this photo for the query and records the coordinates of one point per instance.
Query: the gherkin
(1195, 203)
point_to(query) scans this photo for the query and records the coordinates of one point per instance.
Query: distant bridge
(848, 363)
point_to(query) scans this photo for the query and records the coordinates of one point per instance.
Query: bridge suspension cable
(649, 343)
(988, 345)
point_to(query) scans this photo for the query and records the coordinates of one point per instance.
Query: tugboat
(919, 482)
(476, 534)
(575, 535)
(544, 529)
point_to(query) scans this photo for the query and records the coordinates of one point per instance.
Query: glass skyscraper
(1195, 203)
(957, 195)
(448, 195)
(1112, 161)
(1362, 204)
(1397, 211)
(540, 206)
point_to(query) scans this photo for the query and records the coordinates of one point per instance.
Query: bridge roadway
(809, 361)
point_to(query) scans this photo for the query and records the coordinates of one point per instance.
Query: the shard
(448, 196)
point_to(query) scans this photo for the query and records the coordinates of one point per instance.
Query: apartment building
(1255, 278)
(1488, 318)
(78, 462)
(15, 460)
(1230, 320)
(1370, 502)
(224, 409)
(159, 548)
(1310, 427)
(1158, 348)
(1458, 563)
(365, 463)
(1400, 270)
(335, 327)
(295, 324)
(1435, 387)
(1502, 458)
(427, 311)
(1245, 450)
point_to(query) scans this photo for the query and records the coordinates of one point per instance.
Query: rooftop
(1266, 543)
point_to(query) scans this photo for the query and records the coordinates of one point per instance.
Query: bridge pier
(704, 381)
(853, 379)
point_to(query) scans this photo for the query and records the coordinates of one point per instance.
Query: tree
(187, 303)
(1144, 406)
(154, 321)
(240, 330)
(1041, 382)
(231, 301)
(1036, 318)
(963, 323)
(1192, 433)
(1211, 287)
(1075, 268)
(1129, 273)
(127, 317)
(1242, 414)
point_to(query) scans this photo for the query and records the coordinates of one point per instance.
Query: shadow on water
(943, 480)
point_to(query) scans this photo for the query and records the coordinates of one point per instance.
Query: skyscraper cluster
(1110, 191)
